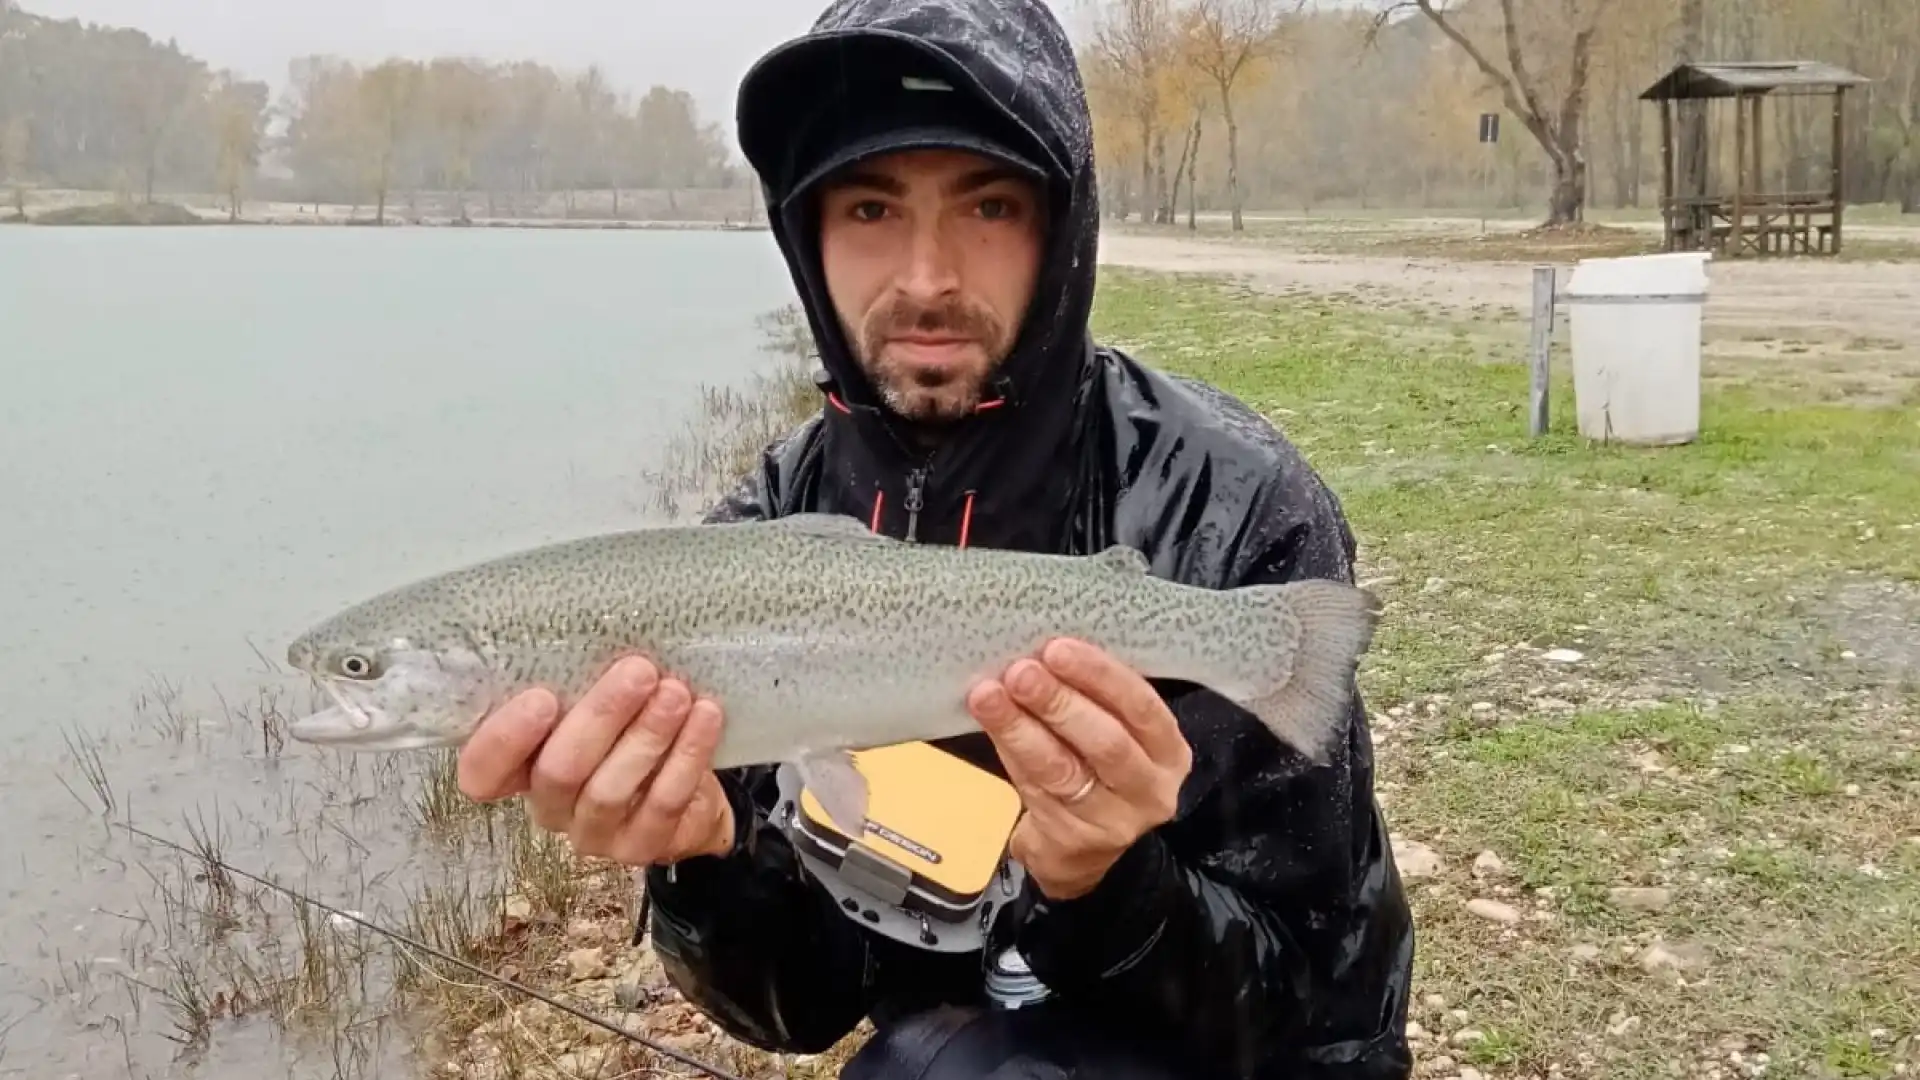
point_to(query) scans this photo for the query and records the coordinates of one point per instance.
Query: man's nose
(932, 269)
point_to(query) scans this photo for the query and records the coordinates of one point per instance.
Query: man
(1201, 900)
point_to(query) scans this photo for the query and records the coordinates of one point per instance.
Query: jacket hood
(1014, 55)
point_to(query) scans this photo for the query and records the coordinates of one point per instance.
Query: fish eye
(356, 666)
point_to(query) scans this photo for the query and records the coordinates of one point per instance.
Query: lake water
(210, 438)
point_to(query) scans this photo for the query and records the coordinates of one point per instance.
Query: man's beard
(933, 398)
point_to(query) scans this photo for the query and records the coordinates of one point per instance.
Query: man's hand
(1097, 757)
(627, 774)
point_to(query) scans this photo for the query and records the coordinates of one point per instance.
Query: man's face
(931, 258)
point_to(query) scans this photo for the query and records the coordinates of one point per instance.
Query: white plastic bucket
(1635, 324)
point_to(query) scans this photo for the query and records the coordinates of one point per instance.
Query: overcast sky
(702, 46)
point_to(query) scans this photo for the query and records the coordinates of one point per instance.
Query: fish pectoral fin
(842, 791)
(827, 526)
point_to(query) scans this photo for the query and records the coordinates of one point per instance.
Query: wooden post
(1759, 175)
(1739, 174)
(1666, 170)
(1839, 162)
(1540, 348)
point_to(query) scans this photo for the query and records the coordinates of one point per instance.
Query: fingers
(613, 791)
(1123, 693)
(498, 759)
(582, 738)
(654, 830)
(1087, 730)
(1037, 761)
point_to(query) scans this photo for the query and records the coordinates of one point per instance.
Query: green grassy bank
(1704, 832)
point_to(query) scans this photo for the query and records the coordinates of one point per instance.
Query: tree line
(489, 131)
(1224, 104)
(112, 109)
(1221, 104)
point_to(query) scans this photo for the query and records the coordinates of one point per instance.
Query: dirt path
(1868, 313)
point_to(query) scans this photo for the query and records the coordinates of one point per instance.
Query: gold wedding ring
(1086, 789)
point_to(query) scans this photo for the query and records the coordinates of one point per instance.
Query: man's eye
(996, 207)
(869, 210)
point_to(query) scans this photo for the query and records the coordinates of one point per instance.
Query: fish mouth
(342, 722)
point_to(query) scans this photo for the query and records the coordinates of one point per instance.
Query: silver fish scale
(812, 633)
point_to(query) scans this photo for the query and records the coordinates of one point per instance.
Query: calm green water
(211, 437)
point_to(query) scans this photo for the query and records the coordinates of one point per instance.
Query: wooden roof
(1724, 80)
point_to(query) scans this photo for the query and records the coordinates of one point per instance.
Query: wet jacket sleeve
(746, 937)
(1239, 931)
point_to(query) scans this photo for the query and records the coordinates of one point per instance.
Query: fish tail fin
(1307, 709)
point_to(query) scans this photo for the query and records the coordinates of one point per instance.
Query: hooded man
(1201, 900)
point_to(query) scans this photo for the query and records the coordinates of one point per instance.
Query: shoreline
(206, 221)
(692, 210)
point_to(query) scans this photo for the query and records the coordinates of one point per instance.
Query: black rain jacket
(1261, 933)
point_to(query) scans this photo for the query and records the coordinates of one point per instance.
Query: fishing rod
(713, 1071)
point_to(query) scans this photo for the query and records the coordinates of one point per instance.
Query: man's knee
(1039, 1043)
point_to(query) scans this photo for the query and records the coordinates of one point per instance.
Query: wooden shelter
(1751, 219)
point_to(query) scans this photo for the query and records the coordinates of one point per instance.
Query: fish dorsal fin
(1123, 559)
(826, 526)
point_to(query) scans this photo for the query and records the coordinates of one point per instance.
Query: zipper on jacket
(916, 501)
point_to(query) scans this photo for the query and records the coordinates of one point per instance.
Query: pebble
(1415, 1033)
(1585, 952)
(1661, 957)
(1415, 860)
(1641, 899)
(1436, 1002)
(583, 964)
(1470, 1073)
(1482, 708)
(581, 1062)
(1468, 1036)
(1563, 656)
(1488, 863)
(1493, 911)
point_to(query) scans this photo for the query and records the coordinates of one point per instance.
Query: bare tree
(1560, 131)
(1135, 39)
(15, 150)
(1691, 131)
(239, 119)
(1227, 40)
(389, 99)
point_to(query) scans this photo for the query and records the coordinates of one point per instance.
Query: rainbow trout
(816, 638)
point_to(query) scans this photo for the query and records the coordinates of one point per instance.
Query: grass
(1740, 730)
(1460, 236)
(121, 213)
(722, 441)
